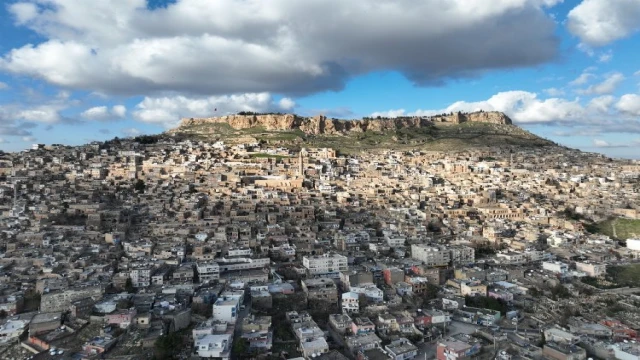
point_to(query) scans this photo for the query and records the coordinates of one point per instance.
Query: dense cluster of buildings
(252, 250)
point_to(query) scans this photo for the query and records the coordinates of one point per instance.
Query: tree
(560, 292)
(128, 286)
(167, 346)
(140, 185)
(240, 347)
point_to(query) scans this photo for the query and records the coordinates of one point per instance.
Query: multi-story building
(556, 267)
(140, 277)
(462, 254)
(226, 309)
(431, 255)
(320, 289)
(595, 270)
(214, 346)
(326, 264)
(472, 288)
(60, 301)
(350, 303)
(401, 349)
(208, 271)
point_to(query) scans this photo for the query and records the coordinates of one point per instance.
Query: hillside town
(169, 248)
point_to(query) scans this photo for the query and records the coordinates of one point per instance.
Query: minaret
(300, 164)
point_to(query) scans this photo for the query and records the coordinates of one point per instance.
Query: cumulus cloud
(522, 106)
(29, 139)
(285, 46)
(599, 115)
(629, 104)
(601, 143)
(103, 113)
(607, 86)
(47, 114)
(23, 12)
(3, 86)
(391, 113)
(167, 111)
(287, 104)
(601, 104)
(600, 22)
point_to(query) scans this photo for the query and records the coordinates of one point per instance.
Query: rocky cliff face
(321, 125)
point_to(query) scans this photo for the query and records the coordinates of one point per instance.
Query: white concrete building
(350, 303)
(214, 346)
(556, 267)
(226, 309)
(325, 264)
(431, 255)
(633, 244)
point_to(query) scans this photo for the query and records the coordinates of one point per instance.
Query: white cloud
(606, 144)
(167, 111)
(605, 57)
(285, 46)
(23, 12)
(607, 86)
(391, 113)
(103, 113)
(554, 92)
(287, 104)
(28, 139)
(629, 104)
(3, 141)
(3, 86)
(600, 22)
(44, 114)
(586, 49)
(637, 73)
(601, 104)
(584, 78)
(523, 107)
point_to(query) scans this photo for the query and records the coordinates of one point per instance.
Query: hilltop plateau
(454, 131)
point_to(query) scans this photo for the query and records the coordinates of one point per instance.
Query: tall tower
(300, 164)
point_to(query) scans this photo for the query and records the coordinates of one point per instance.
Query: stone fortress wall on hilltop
(319, 125)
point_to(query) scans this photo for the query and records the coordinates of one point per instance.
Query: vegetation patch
(617, 228)
(617, 277)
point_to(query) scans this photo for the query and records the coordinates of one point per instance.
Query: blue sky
(73, 71)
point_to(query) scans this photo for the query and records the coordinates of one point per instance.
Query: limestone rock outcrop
(319, 125)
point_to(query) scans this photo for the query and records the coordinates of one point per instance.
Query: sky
(75, 71)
